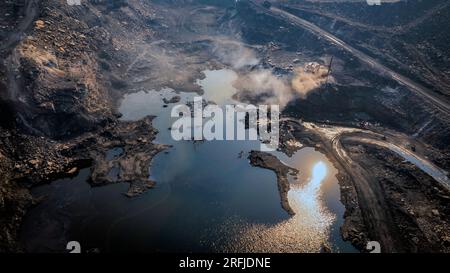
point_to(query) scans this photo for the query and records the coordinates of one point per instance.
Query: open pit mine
(356, 94)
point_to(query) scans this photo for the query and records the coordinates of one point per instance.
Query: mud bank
(271, 162)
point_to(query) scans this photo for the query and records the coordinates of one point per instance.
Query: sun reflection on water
(307, 231)
(308, 195)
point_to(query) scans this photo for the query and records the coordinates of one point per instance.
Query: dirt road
(369, 192)
(438, 102)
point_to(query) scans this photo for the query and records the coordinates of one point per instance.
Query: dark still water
(207, 198)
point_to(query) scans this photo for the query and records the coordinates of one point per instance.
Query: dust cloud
(308, 78)
(269, 88)
(234, 53)
(261, 83)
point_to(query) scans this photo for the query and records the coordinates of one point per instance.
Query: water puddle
(207, 198)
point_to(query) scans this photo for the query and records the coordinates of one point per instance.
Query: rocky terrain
(409, 30)
(421, 206)
(59, 89)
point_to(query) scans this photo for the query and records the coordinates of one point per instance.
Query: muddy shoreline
(268, 161)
